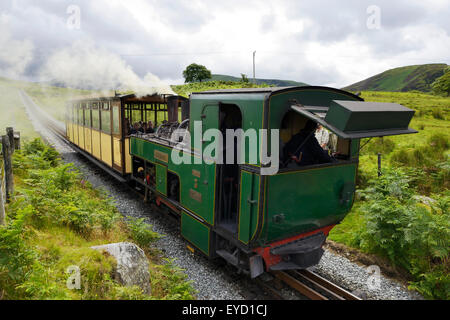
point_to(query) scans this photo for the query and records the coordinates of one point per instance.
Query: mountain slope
(418, 77)
(270, 82)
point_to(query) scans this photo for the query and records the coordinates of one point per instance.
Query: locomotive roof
(244, 90)
(271, 90)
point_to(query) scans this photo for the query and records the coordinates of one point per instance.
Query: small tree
(196, 72)
(442, 85)
(244, 78)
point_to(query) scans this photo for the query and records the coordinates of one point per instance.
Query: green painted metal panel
(317, 198)
(249, 204)
(195, 232)
(197, 181)
(250, 105)
(210, 120)
(198, 189)
(161, 179)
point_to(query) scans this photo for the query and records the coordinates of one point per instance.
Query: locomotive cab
(320, 195)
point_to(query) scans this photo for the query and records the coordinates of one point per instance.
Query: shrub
(169, 282)
(412, 235)
(141, 232)
(16, 258)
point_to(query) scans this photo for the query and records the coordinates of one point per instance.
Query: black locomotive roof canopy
(359, 119)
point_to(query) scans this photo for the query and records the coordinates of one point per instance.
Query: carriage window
(87, 116)
(116, 121)
(80, 117)
(95, 116)
(106, 118)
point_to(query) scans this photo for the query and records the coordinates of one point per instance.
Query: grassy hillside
(419, 77)
(12, 111)
(270, 82)
(51, 99)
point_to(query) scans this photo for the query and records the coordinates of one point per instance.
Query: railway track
(313, 286)
(307, 283)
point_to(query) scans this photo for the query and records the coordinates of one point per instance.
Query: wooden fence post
(17, 140)
(7, 162)
(10, 134)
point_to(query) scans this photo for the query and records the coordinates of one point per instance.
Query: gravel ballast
(212, 281)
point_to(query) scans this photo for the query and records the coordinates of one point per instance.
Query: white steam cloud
(83, 65)
(15, 55)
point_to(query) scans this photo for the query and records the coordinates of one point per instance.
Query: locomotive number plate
(161, 156)
(197, 196)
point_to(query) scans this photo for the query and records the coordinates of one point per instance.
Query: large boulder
(132, 264)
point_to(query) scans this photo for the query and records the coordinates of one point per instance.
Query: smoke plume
(15, 55)
(86, 66)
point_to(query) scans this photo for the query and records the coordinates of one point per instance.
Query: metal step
(228, 256)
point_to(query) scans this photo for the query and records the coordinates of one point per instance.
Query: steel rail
(327, 285)
(316, 287)
(299, 286)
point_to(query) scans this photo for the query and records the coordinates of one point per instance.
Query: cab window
(303, 143)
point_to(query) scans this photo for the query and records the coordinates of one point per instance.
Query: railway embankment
(53, 219)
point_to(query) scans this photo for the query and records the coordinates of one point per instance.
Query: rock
(132, 264)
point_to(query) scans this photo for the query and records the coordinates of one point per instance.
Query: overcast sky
(333, 43)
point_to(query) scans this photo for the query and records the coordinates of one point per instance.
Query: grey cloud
(114, 28)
